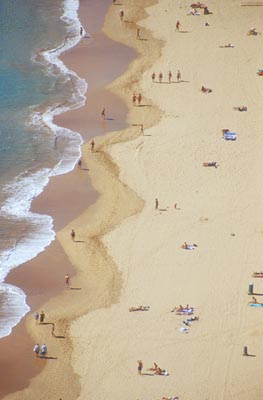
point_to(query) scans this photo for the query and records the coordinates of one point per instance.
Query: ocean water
(34, 86)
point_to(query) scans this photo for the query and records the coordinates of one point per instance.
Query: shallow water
(34, 86)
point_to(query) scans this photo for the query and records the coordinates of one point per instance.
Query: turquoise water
(34, 85)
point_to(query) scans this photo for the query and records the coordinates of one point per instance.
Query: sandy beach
(153, 194)
(43, 277)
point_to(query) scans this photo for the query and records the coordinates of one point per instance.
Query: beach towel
(186, 311)
(230, 136)
(189, 247)
(256, 305)
(164, 373)
(184, 330)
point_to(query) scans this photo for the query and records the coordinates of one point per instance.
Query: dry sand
(214, 203)
(141, 261)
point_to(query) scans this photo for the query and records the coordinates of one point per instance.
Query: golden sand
(131, 252)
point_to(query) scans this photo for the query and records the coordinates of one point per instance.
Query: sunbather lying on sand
(160, 371)
(189, 320)
(211, 164)
(192, 319)
(177, 308)
(187, 246)
(198, 5)
(183, 310)
(225, 46)
(139, 308)
(154, 368)
(253, 300)
(240, 108)
(205, 90)
(193, 11)
(170, 398)
(257, 274)
(253, 32)
(206, 11)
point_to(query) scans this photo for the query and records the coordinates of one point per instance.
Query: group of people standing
(170, 75)
(40, 351)
(136, 99)
(39, 317)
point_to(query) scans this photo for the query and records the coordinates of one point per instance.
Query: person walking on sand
(92, 145)
(103, 113)
(178, 76)
(134, 98)
(81, 31)
(138, 34)
(156, 204)
(153, 77)
(121, 15)
(142, 130)
(72, 234)
(79, 163)
(42, 317)
(140, 366)
(36, 349)
(67, 281)
(178, 24)
(170, 76)
(36, 316)
(160, 77)
(43, 351)
(53, 330)
(139, 99)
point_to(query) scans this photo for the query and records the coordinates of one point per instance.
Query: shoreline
(48, 202)
(27, 185)
(128, 249)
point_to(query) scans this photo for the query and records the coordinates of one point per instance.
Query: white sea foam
(13, 308)
(29, 185)
(78, 98)
(21, 192)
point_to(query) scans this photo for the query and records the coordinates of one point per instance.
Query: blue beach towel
(230, 136)
(256, 305)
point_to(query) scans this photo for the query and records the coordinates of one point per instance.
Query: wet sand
(43, 277)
